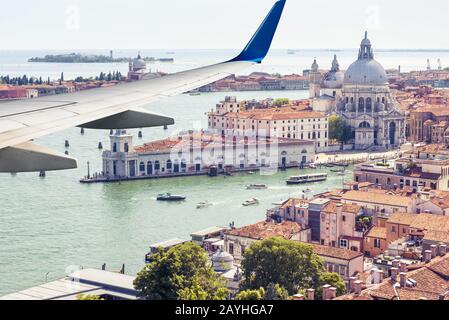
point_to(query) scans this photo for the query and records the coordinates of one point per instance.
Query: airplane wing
(109, 108)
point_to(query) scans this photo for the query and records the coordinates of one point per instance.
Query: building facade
(231, 118)
(195, 153)
(361, 96)
(367, 104)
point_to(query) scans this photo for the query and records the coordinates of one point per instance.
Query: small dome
(222, 261)
(333, 80)
(139, 63)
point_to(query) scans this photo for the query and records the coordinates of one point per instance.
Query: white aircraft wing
(114, 107)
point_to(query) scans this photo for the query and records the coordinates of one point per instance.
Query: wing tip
(259, 45)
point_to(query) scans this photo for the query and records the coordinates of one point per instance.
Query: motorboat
(202, 205)
(250, 202)
(257, 187)
(308, 190)
(170, 197)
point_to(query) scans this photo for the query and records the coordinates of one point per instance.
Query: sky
(220, 24)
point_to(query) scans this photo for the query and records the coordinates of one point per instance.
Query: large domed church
(366, 104)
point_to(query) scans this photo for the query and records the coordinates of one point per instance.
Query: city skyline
(314, 25)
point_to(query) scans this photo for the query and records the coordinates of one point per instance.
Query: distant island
(82, 58)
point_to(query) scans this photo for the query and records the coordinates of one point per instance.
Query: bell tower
(315, 79)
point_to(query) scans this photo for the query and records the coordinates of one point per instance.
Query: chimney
(332, 293)
(298, 297)
(351, 284)
(433, 249)
(394, 274)
(443, 250)
(311, 294)
(403, 267)
(427, 256)
(326, 292)
(402, 279)
(395, 263)
(357, 287)
(378, 276)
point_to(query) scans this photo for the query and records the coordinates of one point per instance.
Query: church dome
(366, 70)
(139, 63)
(334, 78)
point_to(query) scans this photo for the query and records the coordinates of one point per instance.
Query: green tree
(333, 279)
(276, 292)
(251, 295)
(88, 297)
(183, 272)
(281, 102)
(338, 129)
(291, 265)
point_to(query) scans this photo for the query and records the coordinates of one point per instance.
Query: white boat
(202, 205)
(250, 202)
(312, 166)
(257, 187)
(308, 178)
(308, 190)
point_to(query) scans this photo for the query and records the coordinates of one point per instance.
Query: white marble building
(194, 153)
(365, 101)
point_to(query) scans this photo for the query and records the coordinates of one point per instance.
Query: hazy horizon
(212, 25)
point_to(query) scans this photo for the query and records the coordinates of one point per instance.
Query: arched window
(183, 164)
(169, 165)
(361, 105)
(149, 168)
(369, 105)
(157, 165)
(142, 167)
(126, 147)
(114, 147)
(364, 124)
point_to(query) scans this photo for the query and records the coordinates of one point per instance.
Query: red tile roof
(265, 230)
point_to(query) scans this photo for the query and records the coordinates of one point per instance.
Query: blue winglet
(260, 43)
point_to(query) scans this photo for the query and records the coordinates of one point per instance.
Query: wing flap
(130, 119)
(29, 157)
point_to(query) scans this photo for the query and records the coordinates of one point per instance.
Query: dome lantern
(366, 70)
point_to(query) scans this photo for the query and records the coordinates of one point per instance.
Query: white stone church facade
(363, 99)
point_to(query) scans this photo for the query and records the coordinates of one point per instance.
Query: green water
(49, 224)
